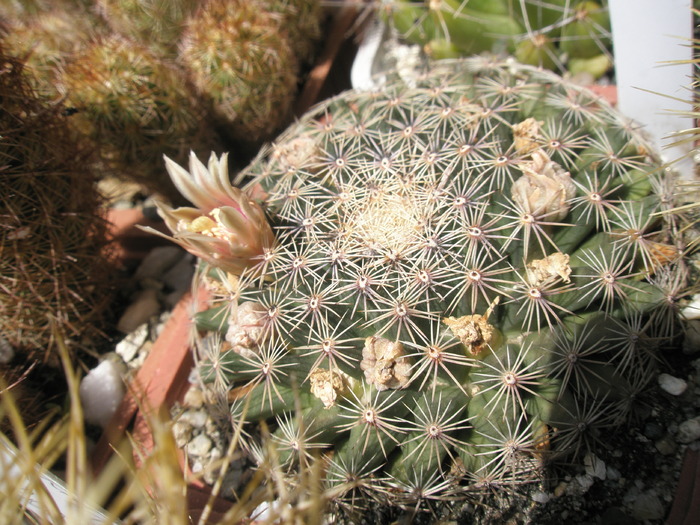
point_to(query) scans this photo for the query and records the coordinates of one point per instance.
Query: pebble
(101, 392)
(541, 497)
(666, 445)
(647, 506)
(145, 306)
(128, 347)
(689, 430)
(7, 353)
(158, 261)
(595, 467)
(653, 430)
(673, 385)
(182, 432)
(194, 398)
(585, 482)
(199, 446)
(612, 473)
(692, 311)
(194, 418)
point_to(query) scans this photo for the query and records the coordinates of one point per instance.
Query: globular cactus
(132, 107)
(555, 34)
(460, 283)
(240, 58)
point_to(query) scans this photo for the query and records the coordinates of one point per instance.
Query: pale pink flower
(226, 228)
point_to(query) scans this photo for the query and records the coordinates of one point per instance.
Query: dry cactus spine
(239, 58)
(54, 267)
(133, 107)
(556, 34)
(462, 286)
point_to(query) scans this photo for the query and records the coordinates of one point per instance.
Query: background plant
(562, 35)
(140, 78)
(54, 266)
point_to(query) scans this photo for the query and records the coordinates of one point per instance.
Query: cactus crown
(464, 283)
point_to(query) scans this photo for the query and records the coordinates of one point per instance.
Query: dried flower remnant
(474, 331)
(295, 153)
(246, 331)
(545, 188)
(385, 363)
(526, 136)
(327, 385)
(541, 271)
(227, 229)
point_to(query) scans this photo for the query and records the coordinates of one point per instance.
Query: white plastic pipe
(646, 35)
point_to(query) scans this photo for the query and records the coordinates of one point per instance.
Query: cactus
(460, 286)
(44, 36)
(157, 24)
(132, 107)
(54, 270)
(549, 34)
(239, 57)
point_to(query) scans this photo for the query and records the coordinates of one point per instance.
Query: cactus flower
(226, 229)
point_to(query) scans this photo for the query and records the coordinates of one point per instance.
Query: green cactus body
(546, 34)
(462, 276)
(588, 35)
(469, 29)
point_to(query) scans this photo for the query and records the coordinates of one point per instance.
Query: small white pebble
(264, 512)
(540, 497)
(194, 398)
(101, 392)
(673, 385)
(585, 482)
(196, 418)
(128, 347)
(689, 430)
(595, 467)
(199, 446)
(612, 473)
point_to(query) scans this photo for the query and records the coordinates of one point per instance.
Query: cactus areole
(462, 285)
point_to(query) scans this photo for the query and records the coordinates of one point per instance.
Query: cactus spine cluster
(555, 34)
(463, 282)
